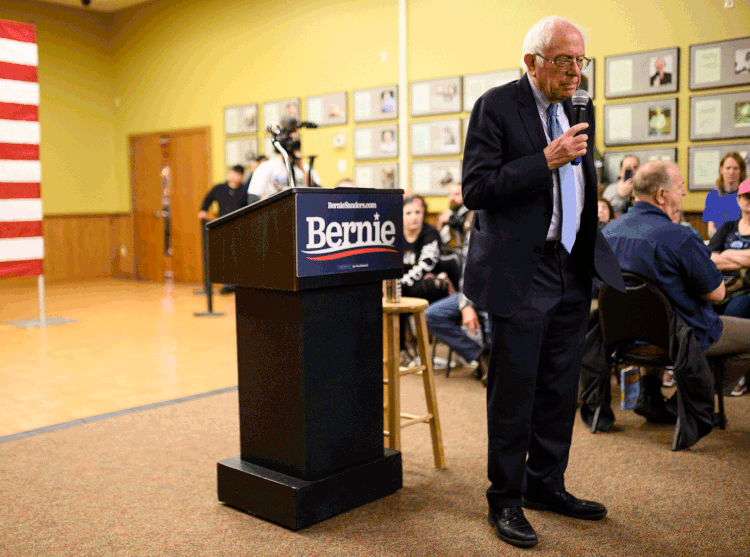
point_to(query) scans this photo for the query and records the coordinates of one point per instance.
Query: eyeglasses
(565, 62)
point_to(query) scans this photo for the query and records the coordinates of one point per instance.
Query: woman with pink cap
(730, 248)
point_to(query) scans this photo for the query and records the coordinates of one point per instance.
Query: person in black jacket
(230, 195)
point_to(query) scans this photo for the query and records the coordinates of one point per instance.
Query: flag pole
(42, 313)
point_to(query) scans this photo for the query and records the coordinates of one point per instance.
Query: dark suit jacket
(507, 182)
(666, 80)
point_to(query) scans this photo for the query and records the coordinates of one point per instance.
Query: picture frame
(436, 96)
(376, 142)
(436, 137)
(475, 85)
(240, 151)
(432, 177)
(327, 110)
(636, 74)
(380, 175)
(704, 160)
(651, 121)
(275, 111)
(722, 116)
(612, 159)
(588, 77)
(379, 103)
(241, 119)
(720, 64)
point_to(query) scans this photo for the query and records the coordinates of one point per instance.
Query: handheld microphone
(580, 102)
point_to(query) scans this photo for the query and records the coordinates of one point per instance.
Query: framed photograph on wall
(241, 119)
(376, 142)
(475, 85)
(274, 112)
(240, 151)
(437, 137)
(652, 121)
(587, 79)
(384, 176)
(380, 103)
(612, 159)
(720, 64)
(642, 73)
(704, 160)
(722, 116)
(326, 110)
(434, 177)
(437, 96)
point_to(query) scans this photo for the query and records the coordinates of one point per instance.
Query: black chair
(635, 329)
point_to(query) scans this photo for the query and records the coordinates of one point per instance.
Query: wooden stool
(392, 372)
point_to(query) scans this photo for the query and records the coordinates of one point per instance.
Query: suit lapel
(529, 113)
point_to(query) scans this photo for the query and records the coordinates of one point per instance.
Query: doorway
(170, 173)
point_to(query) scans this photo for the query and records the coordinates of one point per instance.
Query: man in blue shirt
(647, 242)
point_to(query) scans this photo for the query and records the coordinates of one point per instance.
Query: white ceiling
(99, 5)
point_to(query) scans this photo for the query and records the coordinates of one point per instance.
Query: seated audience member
(619, 193)
(730, 248)
(605, 212)
(421, 255)
(454, 222)
(446, 320)
(647, 242)
(721, 203)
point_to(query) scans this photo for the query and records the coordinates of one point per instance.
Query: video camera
(285, 136)
(288, 136)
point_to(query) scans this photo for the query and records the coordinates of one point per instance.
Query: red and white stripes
(21, 244)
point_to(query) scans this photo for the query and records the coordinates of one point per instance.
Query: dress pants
(532, 383)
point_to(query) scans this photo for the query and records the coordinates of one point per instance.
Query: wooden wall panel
(82, 247)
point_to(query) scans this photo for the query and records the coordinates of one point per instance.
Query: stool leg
(394, 382)
(429, 390)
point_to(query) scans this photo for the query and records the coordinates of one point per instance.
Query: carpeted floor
(144, 483)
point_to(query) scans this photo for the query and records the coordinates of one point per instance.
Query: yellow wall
(76, 112)
(177, 64)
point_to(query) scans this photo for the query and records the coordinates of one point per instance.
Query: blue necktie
(567, 180)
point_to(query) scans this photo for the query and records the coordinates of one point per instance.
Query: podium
(308, 265)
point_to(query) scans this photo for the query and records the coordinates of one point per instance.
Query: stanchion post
(206, 279)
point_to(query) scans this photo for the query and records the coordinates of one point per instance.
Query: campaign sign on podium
(308, 265)
(347, 233)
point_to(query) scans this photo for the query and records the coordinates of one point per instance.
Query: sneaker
(740, 388)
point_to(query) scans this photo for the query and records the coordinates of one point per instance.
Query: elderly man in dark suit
(534, 247)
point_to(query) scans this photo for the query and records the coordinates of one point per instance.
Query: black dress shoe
(512, 527)
(562, 502)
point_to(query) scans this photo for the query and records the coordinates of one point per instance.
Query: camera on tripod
(288, 136)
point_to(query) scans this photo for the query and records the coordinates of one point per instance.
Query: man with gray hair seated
(648, 243)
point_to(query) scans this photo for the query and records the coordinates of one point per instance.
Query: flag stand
(43, 320)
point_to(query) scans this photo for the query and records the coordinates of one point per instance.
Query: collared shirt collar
(644, 207)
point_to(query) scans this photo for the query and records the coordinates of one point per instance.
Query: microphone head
(580, 98)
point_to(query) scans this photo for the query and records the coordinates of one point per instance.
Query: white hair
(540, 35)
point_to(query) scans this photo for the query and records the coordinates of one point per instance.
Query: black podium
(308, 265)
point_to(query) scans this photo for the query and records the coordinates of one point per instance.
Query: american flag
(21, 243)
